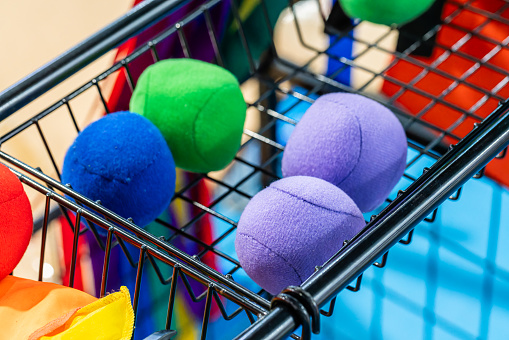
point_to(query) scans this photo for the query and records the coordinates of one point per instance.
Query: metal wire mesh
(256, 163)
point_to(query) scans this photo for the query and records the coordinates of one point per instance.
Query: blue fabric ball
(123, 160)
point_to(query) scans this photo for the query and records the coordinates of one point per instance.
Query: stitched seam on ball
(360, 151)
(12, 199)
(115, 179)
(194, 130)
(326, 99)
(316, 205)
(198, 152)
(278, 255)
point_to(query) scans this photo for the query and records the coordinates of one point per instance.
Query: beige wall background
(32, 33)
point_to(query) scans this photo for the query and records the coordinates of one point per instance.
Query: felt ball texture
(386, 12)
(352, 142)
(123, 160)
(199, 109)
(292, 226)
(16, 221)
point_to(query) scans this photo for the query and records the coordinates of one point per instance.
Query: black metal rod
(143, 234)
(139, 273)
(106, 265)
(67, 64)
(138, 237)
(171, 299)
(75, 248)
(423, 196)
(43, 238)
(206, 313)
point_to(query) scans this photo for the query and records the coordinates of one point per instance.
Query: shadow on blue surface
(451, 282)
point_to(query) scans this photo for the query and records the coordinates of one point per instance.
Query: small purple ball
(289, 228)
(352, 142)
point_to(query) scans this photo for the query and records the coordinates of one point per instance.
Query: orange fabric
(53, 325)
(464, 96)
(109, 318)
(27, 305)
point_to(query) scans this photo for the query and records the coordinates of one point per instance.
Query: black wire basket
(457, 157)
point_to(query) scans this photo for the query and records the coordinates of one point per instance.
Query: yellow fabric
(109, 318)
(185, 321)
(26, 305)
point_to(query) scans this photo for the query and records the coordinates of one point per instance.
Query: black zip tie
(297, 310)
(308, 302)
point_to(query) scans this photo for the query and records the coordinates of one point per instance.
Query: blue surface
(451, 282)
(339, 47)
(292, 108)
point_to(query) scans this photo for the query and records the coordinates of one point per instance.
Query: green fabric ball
(199, 109)
(385, 12)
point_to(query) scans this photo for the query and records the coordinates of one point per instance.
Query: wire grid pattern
(158, 253)
(450, 283)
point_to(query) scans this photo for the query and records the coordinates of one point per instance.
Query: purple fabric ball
(352, 142)
(289, 228)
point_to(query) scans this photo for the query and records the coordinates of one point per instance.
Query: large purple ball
(289, 228)
(352, 142)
